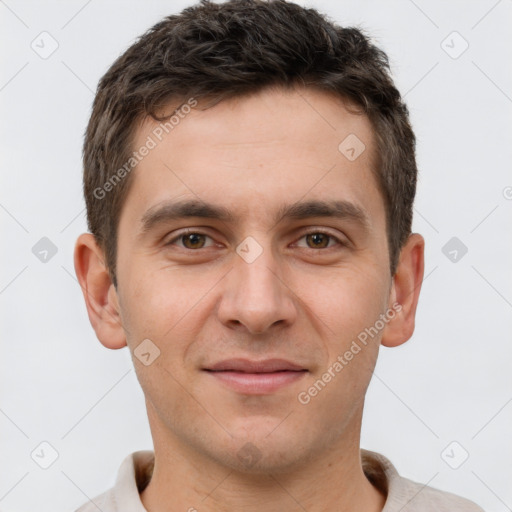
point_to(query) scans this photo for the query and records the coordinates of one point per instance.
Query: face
(252, 253)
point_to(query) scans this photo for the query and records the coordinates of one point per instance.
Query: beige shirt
(403, 495)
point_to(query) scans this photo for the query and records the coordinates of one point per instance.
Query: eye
(191, 240)
(320, 240)
(194, 240)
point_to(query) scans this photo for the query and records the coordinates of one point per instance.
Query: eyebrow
(168, 211)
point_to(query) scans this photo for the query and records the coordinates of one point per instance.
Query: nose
(256, 296)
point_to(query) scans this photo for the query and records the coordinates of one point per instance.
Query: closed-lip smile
(252, 377)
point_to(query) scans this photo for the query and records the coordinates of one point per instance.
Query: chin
(259, 451)
(253, 459)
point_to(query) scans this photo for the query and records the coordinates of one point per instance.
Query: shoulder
(419, 497)
(133, 475)
(104, 502)
(405, 495)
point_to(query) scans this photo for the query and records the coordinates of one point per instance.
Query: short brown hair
(233, 49)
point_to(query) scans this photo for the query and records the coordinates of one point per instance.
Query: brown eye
(318, 240)
(193, 240)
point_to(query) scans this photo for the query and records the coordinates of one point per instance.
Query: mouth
(256, 377)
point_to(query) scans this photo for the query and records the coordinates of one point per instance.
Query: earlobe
(405, 291)
(99, 293)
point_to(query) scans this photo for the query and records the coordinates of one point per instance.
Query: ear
(99, 293)
(405, 292)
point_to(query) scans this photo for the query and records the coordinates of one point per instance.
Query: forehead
(277, 145)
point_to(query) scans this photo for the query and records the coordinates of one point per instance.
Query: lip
(256, 377)
(251, 366)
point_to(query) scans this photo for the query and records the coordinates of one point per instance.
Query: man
(249, 175)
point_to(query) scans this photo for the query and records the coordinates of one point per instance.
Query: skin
(201, 303)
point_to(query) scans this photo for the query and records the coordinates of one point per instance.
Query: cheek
(156, 301)
(348, 301)
(169, 307)
(354, 341)
(157, 309)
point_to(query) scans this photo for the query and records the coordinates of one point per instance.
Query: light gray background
(451, 382)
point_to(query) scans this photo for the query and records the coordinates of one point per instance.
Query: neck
(184, 480)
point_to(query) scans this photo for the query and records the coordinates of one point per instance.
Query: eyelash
(312, 232)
